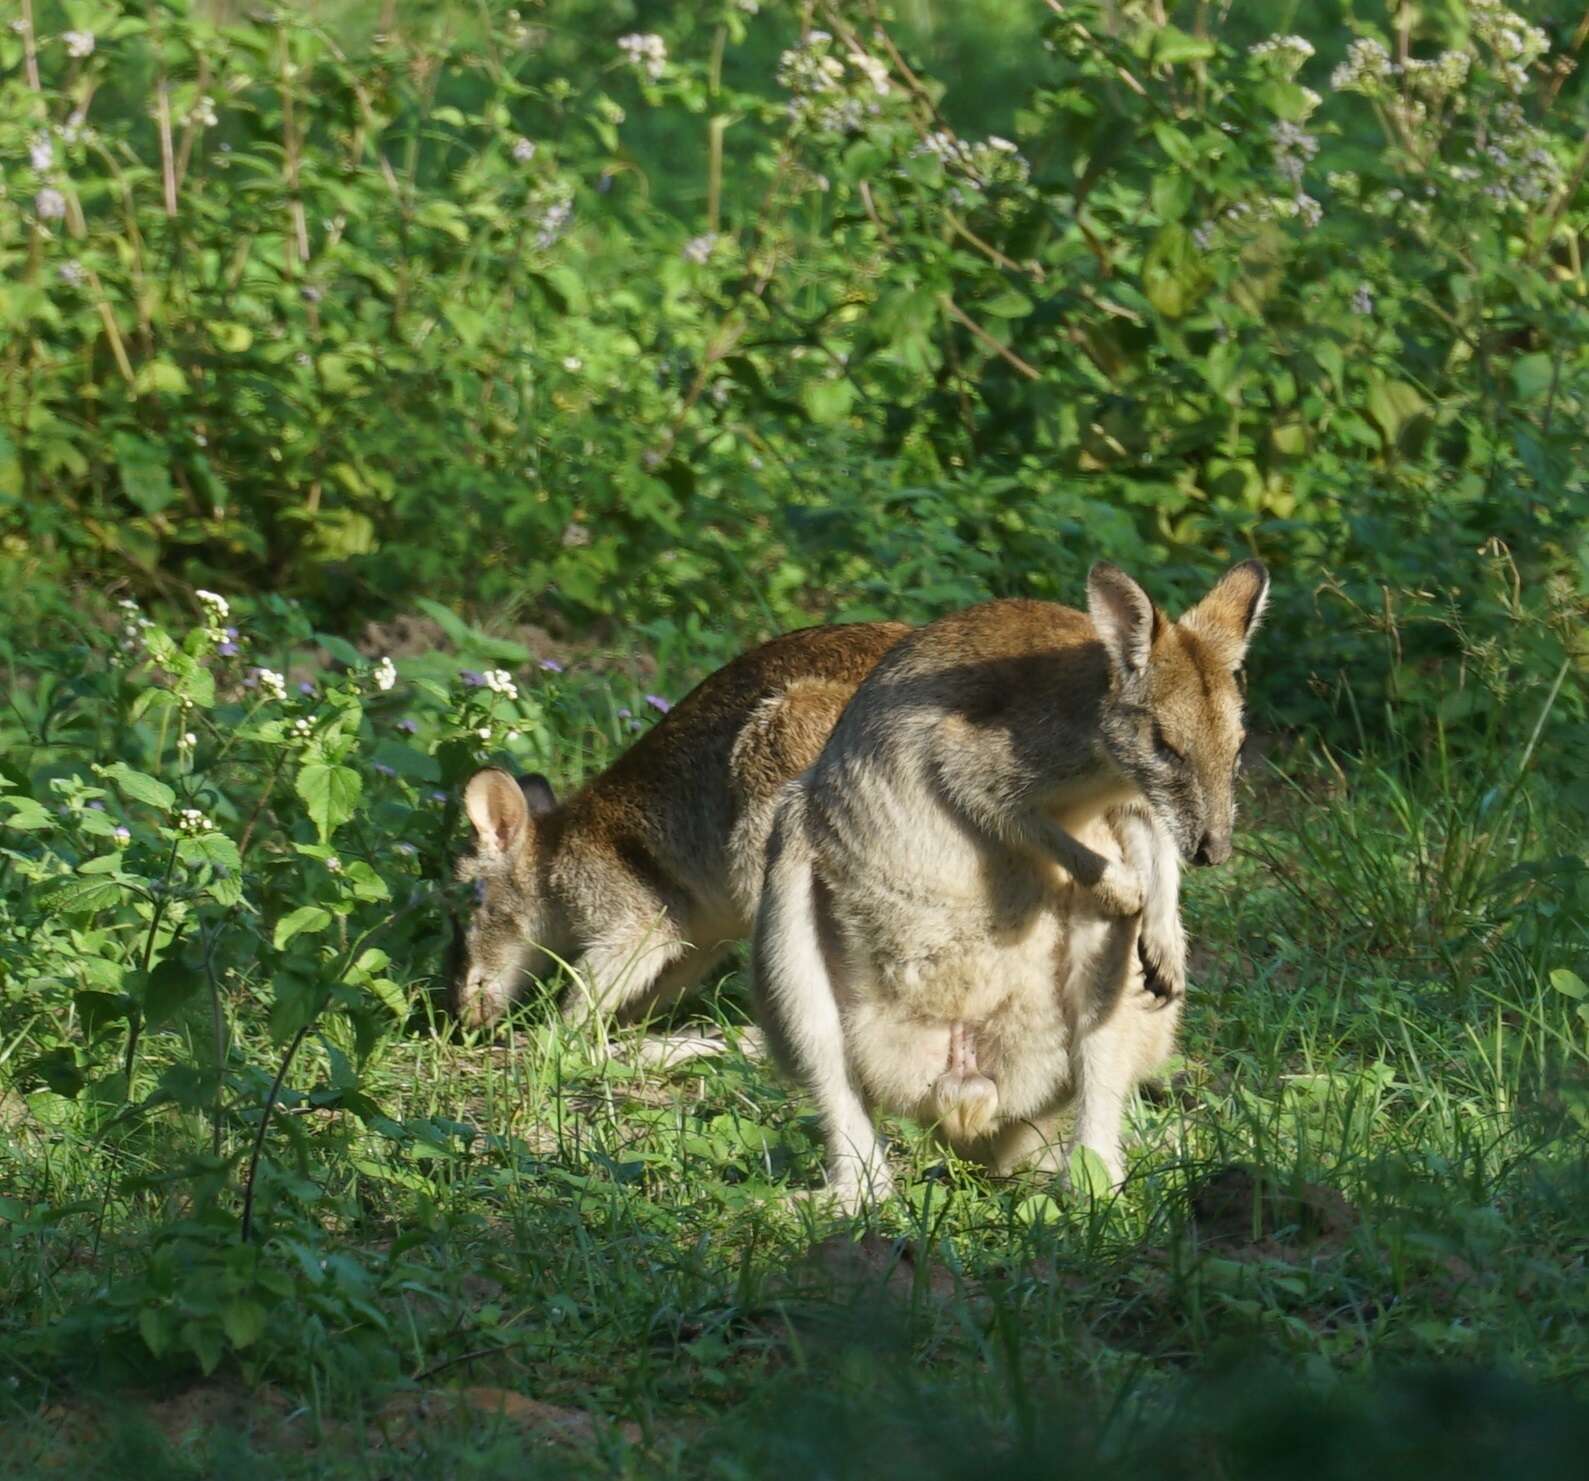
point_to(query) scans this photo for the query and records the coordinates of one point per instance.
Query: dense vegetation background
(385, 387)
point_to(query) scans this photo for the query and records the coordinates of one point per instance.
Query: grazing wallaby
(948, 917)
(646, 875)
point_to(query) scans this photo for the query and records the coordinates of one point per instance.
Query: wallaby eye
(479, 893)
(1166, 751)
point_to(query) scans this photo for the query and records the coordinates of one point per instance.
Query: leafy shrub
(277, 294)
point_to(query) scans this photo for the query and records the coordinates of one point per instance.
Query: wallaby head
(510, 915)
(1172, 721)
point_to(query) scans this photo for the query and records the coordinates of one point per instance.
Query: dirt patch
(405, 1419)
(1244, 1215)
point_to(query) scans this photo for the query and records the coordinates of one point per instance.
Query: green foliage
(335, 281)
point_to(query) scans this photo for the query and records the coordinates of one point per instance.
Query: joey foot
(967, 1100)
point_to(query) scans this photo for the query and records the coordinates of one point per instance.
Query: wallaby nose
(1214, 849)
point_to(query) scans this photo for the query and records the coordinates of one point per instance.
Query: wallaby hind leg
(797, 996)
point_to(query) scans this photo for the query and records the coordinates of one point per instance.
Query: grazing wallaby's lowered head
(642, 878)
(511, 910)
(1172, 719)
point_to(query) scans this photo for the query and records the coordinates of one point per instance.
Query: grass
(1354, 1234)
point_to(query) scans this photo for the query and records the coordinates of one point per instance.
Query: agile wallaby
(947, 922)
(645, 876)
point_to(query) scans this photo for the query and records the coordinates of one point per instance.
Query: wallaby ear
(498, 811)
(1123, 614)
(1226, 617)
(538, 794)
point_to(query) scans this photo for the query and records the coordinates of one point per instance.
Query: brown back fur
(650, 869)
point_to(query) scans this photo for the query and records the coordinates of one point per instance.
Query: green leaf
(161, 375)
(828, 401)
(367, 884)
(137, 786)
(88, 895)
(1394, 405)
(244, 1321)
(1569, 983)
(28, 816)
(1171, 46)
(470, 640)
(233, 338)
(205, 1342)
(96, 1009)
(1532, 375)
(154, 1326)
(1173, 275)
(145, 472)
(1010, 304)
(406, 761)
(165, 990)
(311, 918)
(1172, 195)
(331, 793)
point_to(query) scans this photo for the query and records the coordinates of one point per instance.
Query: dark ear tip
(538, 794)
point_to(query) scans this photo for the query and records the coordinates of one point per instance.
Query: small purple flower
(122, 835)
(96, 804)
(551, 666)
(230, 633)
(623, 712)
(656, 701)
(472, 679)
(383, 769)
(438, 796)
(305, 687)
(408, 727)
(228, 649)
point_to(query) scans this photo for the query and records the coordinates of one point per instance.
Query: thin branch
(1002, 351)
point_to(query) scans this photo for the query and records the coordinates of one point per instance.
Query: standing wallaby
(646, 875)
(948, 919)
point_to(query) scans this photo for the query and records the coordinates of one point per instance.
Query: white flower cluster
(1522, 170)
(216, 610)
(50, 204)
(79, 44)
(133, 624)
(41, 152)
(989, 165)
(833, 93)
(646, 52)
(500, 681)
(385, 675)
(1516, 43)
(302, 729)
(271, 684)
(1367, 68)
(551, 209)
(191, 820)
(203, 112)
(1293, 148)
(699, 249)
(73, 273)
(1285, 54)
(523, 150)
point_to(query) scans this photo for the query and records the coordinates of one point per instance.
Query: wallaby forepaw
(1119, 891)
